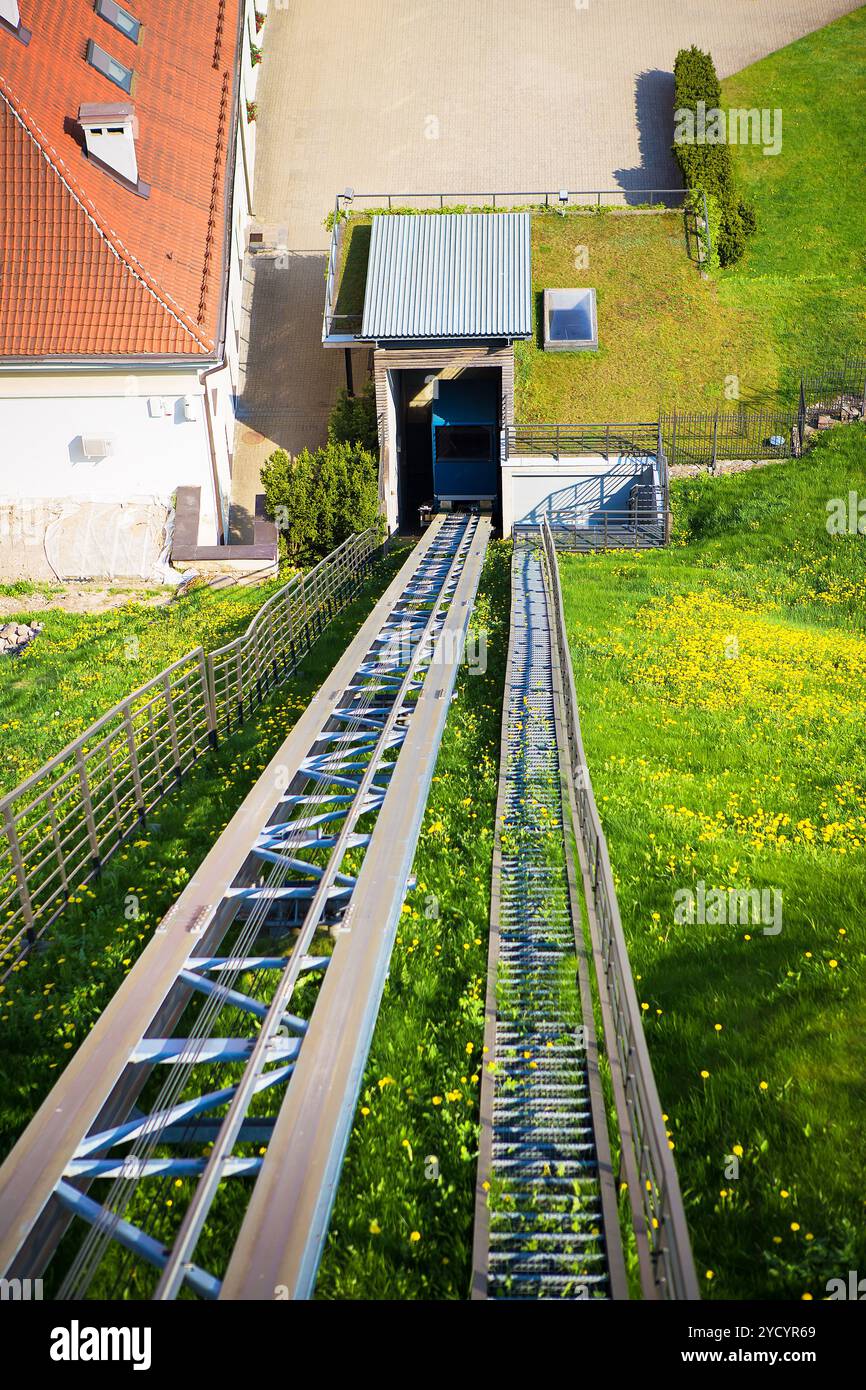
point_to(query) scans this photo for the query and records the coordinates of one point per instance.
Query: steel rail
(175, 1269)
(185, 1052)
(90, 1110)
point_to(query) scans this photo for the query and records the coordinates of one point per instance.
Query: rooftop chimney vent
(109, 136)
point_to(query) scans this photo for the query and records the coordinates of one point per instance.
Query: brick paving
(507, 95)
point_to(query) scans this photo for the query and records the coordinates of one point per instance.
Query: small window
(119, 18)
(463, 442)
(109, 67)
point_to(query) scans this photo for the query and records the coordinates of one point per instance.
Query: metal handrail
(629, 437)
(362, 540)
(536, 198)
(62, 824)
(661, 1232)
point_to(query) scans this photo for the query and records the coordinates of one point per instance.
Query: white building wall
(221, 384)
(580, 487)
(154, 447)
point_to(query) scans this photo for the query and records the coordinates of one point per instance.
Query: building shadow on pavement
(289, 382)
(654, 114)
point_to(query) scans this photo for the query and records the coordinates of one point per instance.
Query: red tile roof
(86, 265)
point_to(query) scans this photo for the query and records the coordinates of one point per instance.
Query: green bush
(353, 420)
(321, 497)
(709, 167)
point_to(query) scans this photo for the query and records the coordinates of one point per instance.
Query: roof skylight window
(119, 18)
(116, 72)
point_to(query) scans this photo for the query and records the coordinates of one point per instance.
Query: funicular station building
(441, 299)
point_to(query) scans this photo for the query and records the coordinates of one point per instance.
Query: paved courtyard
(412, 96)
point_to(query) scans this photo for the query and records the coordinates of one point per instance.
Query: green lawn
(665, 337)
(82, 664)
(805, 269)
(722, 685)
(352, 271)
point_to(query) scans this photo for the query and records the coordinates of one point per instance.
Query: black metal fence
(571, 441)
(703, 437)
(836, 393)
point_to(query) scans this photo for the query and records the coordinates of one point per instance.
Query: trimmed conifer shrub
(707, 166)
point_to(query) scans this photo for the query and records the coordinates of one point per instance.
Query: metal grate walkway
(546, 1195)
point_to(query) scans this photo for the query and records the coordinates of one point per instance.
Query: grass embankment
(82, 664)
(53, 1000)
(803, 275)
(722, 685)
(798, 297)
(402, 1224)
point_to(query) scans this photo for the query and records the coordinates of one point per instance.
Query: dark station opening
(448, 431)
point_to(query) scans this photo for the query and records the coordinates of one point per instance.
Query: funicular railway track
(194, 1144)
(226, 1069)
(547, 1217)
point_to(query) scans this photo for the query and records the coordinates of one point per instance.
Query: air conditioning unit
(95, 447)
(188, 408)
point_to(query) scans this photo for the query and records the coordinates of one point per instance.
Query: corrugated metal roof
(456, 275)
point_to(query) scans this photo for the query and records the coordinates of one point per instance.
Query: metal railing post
(133, 761)
(11, 832)
(209, 694)
(172, 725)
(87, 806)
